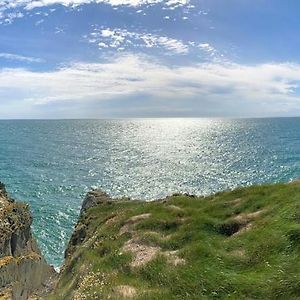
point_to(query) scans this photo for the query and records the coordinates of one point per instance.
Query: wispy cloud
(208, 48)
(122, 39)
(28, 59)
(265, 89)
(9, 17)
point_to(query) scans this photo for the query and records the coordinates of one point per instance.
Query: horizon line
(132, 118)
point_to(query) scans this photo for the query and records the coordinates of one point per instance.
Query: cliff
(241, 244)
(23, 270)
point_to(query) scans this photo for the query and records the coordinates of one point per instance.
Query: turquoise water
(52, 164)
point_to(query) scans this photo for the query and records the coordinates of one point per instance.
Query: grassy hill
(241, 244)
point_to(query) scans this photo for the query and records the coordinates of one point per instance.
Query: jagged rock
(23, 270)
(94, 198)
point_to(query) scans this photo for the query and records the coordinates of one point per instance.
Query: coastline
(180, 247)
(238, 244)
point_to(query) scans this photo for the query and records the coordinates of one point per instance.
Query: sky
(149, 58)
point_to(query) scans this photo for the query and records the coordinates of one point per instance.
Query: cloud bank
(207, 89)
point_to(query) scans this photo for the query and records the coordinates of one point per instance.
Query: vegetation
(241, 244)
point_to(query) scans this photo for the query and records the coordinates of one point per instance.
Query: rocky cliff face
(92, 199)
(23, 270)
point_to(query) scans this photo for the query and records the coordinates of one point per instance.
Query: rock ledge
(23, 270)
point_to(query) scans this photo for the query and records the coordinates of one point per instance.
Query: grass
(229, 250)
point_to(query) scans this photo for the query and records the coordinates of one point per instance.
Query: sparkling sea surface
(52, 164)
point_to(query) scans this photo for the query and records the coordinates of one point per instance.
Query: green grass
(261, 262)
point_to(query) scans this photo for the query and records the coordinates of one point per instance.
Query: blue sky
(149, 58)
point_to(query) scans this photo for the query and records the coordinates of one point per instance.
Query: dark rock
(94, 198)
(23, 270)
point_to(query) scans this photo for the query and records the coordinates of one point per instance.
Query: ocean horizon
(52, 164)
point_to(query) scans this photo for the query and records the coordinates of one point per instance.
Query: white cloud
(122, 38)
(207, 47)
(31, 4)
(14, 9)
(10, 17)
(177, 2)
(10, 56)
(39, 22)
(267, 89)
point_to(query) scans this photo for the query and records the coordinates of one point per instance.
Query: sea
(52, 164)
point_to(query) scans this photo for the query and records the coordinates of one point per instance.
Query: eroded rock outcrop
(23, 270)
(92, 199)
